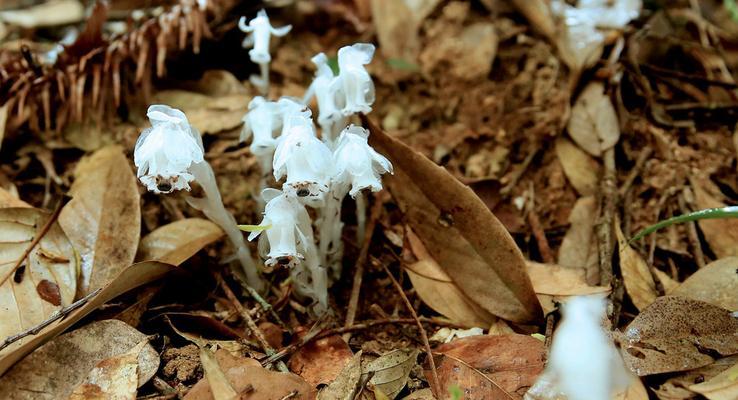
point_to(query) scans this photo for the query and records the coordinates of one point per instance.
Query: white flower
(583, 363)
(293, 112)
(357, 163)
(326, 89)
(164, 152)
(356, 84)
(288, 228)
(304, 159)
(260, 32)
(262, 121)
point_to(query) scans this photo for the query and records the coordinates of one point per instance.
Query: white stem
(265, 163)
(360, 217)
(262, 82)
(212, 206)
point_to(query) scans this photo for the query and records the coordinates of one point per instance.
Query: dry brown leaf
(666, 281)
(220, 388)
(722, 387)
(422, 394)
(45, 14)
(678, 334)
(209, 114)
(555, 280)
(112, 378)
(53, 260)
(637, 277)
(390, 372)
(468, 54)
(579, 247)
(321, 361)
(346, 384)
(439, 292)
(715, 283)
(634, 391)
(7, 200)
(132, 277)
(582, 171)
(397, 30)
(55, 369)
(538, 13)
(675, 388)
(594, 124)
(459, 231)
(721, 234)
(3, 120)
(510, 364)
(103, 219)
(176, 242)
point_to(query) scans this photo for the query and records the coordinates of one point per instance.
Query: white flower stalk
(289, 234)
(305, 160)
(583, 364)
(327, 91)
(260, 31)
(162, 167)
(169, 156)
(356, 83)
(263, 121)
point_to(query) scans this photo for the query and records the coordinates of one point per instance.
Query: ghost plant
(325, 88)
(583, 363)
(260, 31)
(170, 156)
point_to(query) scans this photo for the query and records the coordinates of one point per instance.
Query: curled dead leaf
(715, 283)
(390, 372)
(637, 277)
(582, 171)
(720, 234)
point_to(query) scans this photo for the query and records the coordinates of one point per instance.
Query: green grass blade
(710, 213)
(254, 228)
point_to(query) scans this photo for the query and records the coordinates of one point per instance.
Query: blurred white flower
(287, 227)
(304, 159)
(356, 83)
(358, 163)
(165, 152)
(262, 121)
(583, 363)
(260, 31)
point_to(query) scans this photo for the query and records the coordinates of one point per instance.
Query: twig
(265, 305)
(423, 335)
(550, 322)
(268, 349)
(44, 230)
(604, 229)
(643, 156)
(537, 229)
(57, 315)
(518, 173)
(312, 336)
(376, 210)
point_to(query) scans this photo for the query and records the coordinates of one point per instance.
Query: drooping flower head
(165, 152)
(356, 83)
(304, 159)
(327, 90)
(262, 121)
(358, 163)
(260, 31)
(292, 112)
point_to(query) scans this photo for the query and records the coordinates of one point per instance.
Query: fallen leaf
(678, 334)
(7, 199)
(390, 372)
(538, 13)
(346, 384)
(220, 388)
(720, 234)
(132, 277)
(635, 391)
(438, 290)
(25, 300)
(103, 219)
(55, 369)
(46, 14)
(209, 114)
(176, 242)
(722, 387)
(512, 362)
(3, 123)
(467, 55)
(321, 361)
(579, 247)
(397, 30)
(676, 387)
(474, 384)
(422, 394)
(715, 283)
(594, 124)
(582, 171)
(112, 378)
(554, 280)
(637, 277)
(459, 231)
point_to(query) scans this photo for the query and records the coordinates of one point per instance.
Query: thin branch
(57, 315)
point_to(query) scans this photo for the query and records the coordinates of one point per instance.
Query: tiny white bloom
(356, 83)
(304, 159)
(260, 31)
(262, 121)
(288, 228)
(327, 92)
(358, 163)
(164, 152)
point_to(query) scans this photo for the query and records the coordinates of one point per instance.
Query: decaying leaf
(459, 231)
(579, 247)
(677, 386)
(397, 30)
(637, 277)
(509, 365)
(132, 277)
(594, 124)
(44, 283)
(112, 378)
(176, 242)
(209, 114)
(46, 14)
(438, 290)
(555, 280)
(722, 387)
(220, 388)
(346, 384)
(321, 361)
(716, 283)
(8, 200)
(678, 334)
(720, 234)
(55, 369)
(466, 54)
(580, 168)
(389, 373)
(103, 219)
